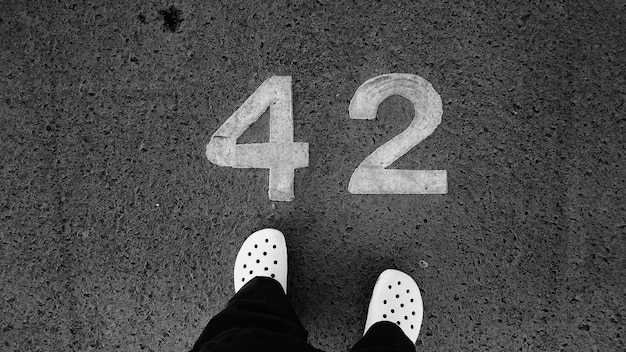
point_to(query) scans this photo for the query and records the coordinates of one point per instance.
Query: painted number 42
(281, 155)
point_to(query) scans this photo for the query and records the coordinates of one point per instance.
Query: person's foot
(396, 298)
(264, 253)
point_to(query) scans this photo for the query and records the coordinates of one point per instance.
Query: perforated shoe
(264, 253)
(396, 298)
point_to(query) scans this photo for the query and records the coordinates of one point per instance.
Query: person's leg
(384, 336)
(259, 317)
(394, 316)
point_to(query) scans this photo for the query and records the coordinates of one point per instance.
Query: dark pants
(260, 318)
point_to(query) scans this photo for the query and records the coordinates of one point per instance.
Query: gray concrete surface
(117, 234)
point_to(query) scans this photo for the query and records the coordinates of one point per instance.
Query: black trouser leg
(384, 337)
(258, 318)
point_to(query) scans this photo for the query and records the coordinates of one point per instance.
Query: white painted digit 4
(371, 177)
(281, 155)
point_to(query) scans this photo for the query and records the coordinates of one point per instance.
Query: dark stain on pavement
(172, 18)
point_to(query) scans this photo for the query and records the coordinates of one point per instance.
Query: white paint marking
(281, 155)
(371, 177)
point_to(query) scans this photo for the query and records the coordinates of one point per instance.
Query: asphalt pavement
(118, 234)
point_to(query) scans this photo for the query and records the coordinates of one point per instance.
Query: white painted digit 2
(371, 177)
(281, 155)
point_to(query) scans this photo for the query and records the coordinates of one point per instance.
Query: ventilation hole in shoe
(385, 316)
(249, 254)
(264, 253)
(245, 266)
(412, 313)
(251, 271)
(411, 300)
(406, 318)
(399, 283)
(398, 322)
(392, 311)
(258, 261)
(389, 287)
(411, 327)
(408, 291)
(274, 246)
(275, 262)
(243, 279)
(401, 305)
(273, 276)
(266, 240)
(385, 302)
(256, 246)
(266, 268)
(397, 296)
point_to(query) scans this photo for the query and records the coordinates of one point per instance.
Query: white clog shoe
(397, 299)
(264, 253)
